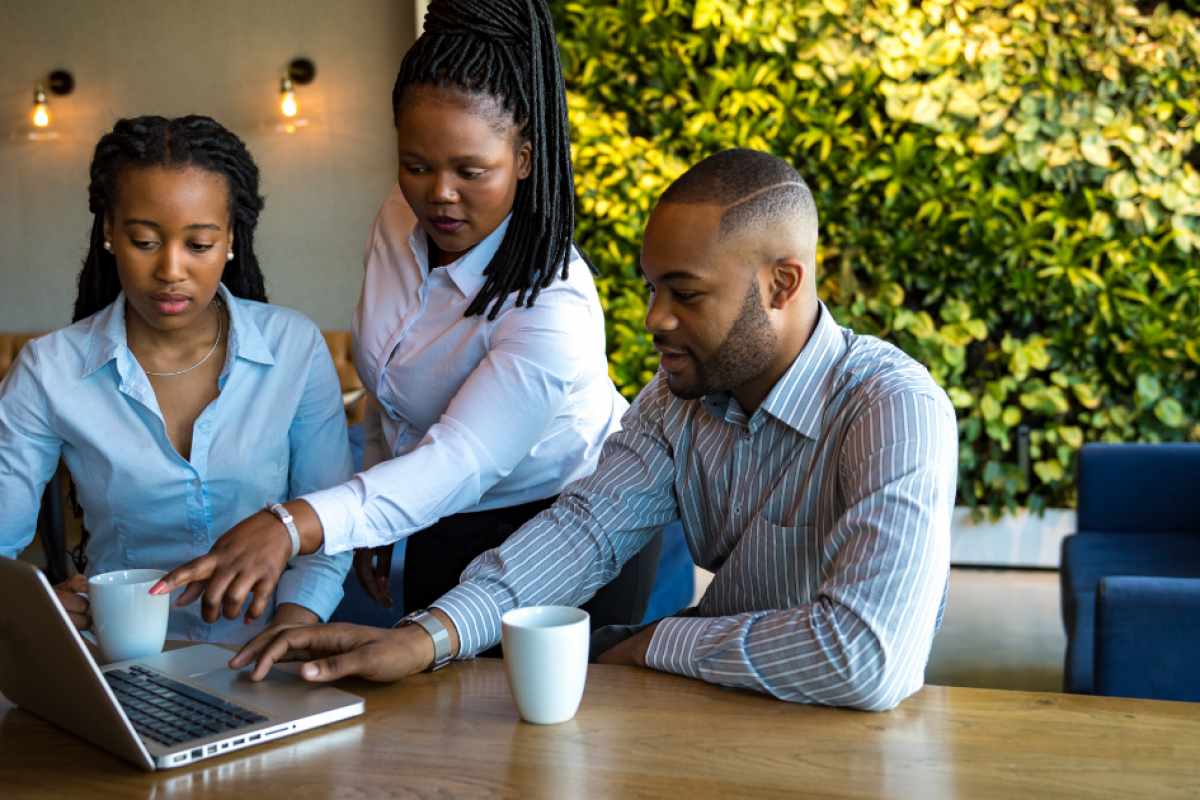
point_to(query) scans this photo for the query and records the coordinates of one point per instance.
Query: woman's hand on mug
(248, 558)
(79, 609)
(373, 566)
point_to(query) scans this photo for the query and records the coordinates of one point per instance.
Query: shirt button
(737, 509)
(199, 537)
(204, 426)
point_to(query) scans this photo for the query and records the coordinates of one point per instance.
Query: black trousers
(435, 558)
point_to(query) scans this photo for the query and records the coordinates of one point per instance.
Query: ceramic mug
(546, 655)
(128, 621)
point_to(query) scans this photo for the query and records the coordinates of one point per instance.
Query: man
(814, 471)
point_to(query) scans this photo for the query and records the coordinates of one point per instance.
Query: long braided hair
(191, 141)
(506, 49)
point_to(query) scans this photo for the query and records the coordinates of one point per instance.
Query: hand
(248, 558)
(339, 650)
(288, 615)
(373, 566)
(631, 652)
(79, 609)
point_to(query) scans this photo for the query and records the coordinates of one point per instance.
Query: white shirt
(465, 414)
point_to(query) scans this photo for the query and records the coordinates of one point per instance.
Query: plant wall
(1006, 190)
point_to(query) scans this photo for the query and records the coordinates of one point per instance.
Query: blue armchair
(1138, 523)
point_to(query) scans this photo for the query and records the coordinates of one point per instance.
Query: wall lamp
(61, 83)
(300, 72)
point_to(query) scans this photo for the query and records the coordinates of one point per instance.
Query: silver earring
(229, 256)
(108, 246)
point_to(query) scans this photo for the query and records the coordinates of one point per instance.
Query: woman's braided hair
(147, 142)
(506, 49)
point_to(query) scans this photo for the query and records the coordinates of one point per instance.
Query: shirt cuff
(673, 647)
(316, 587)
(476, 617)
(338, 508)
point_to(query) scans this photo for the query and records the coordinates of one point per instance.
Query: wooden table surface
(638, 733)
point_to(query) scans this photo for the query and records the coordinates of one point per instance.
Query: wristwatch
(288, 522)
(434, 627)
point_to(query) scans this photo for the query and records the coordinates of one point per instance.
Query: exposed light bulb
(288, 102)
(41, 112)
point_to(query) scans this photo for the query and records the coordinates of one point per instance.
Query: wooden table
(456, 734)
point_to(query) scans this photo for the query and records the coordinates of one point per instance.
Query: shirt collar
(467, 271)
(109, 337)
(798, 398)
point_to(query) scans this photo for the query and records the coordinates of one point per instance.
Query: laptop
(159, 712)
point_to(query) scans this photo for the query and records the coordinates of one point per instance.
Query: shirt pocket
(772, 567)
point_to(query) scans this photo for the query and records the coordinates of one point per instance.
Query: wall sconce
(61, 83)
(301, 71)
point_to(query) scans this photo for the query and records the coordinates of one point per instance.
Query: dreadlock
(506, 49)
(147, 142)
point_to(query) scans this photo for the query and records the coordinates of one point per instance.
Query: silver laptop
(159, 712)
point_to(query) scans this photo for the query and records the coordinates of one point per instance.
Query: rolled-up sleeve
(565, 554)
(494, 420)
(319, 458)
(29, 452)
(865, 641)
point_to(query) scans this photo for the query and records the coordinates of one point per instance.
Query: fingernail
(310, 671)
(245, 620)
(383, 583)
(157, 588)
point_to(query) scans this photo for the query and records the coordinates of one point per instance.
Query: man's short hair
(756, 189)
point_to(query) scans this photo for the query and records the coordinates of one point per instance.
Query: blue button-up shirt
(276, 431)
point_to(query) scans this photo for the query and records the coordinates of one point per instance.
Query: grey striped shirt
(825, 516)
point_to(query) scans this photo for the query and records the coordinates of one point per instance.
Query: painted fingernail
(157, 588)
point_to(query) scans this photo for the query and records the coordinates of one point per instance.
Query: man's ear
(787, 276)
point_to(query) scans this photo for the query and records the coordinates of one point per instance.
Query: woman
(479, 336)
(179, 400)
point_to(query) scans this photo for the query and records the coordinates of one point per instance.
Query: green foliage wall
(1004, 188)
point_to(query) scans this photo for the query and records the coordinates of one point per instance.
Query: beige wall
(222, 58)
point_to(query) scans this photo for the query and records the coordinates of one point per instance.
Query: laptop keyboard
(172, 712)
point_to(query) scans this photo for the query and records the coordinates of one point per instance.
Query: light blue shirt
(276, 431)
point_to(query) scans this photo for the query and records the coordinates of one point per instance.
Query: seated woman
(179, 400)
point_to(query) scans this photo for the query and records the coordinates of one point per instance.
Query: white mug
(129, 622)
(546, 655)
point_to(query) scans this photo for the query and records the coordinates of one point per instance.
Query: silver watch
(434, 627)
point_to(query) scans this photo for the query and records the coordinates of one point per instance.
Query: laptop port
(238, 741)
(212, 748)
(255, 737)
(179, 758)
(277, 730)
(198, 753)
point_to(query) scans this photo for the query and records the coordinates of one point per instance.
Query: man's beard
(742, 355)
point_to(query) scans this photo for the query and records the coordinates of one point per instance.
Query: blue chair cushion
(1089, 557)
(1148, 638)
(1139, 488)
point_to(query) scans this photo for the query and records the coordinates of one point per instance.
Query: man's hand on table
(631, 652)
(248, 558)
(339, 650)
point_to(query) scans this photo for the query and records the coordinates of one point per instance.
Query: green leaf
(1170, 412)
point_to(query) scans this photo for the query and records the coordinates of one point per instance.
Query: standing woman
(179, 400)
(479, 335)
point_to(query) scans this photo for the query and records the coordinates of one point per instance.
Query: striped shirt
(825, 515)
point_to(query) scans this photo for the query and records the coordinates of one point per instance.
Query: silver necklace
(217, 304)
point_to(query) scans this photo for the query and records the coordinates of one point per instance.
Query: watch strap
(436, 630)
(288, 522)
